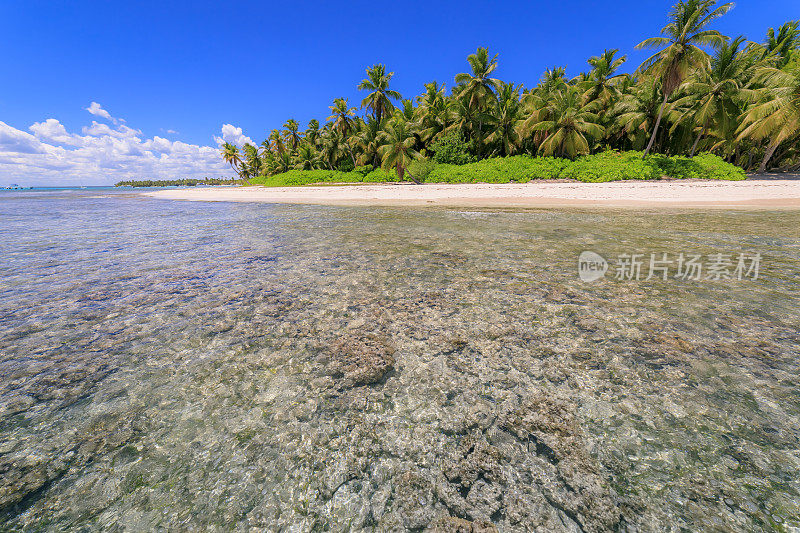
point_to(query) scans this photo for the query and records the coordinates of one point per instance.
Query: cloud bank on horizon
(104, 154)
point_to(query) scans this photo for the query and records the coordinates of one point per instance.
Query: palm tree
(602, 82)
(397, 147)
(253, 165)
(682, 38)
(711, 95)
(774, 115)
(276, 139)
(293, 136)
(478, 87)
(330, 146)
(552, 80)
(379, 101)
(367, 142)
(342, 115)
(505, 119)
(781, 43)
(230, 154)
(435, 112)
(312, 133)
(635, 113)
(570, 125)
(306, 158)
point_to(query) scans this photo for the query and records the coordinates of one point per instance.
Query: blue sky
(190, 67)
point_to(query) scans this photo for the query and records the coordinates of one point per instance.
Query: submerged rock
(356, 360)
(450, 524)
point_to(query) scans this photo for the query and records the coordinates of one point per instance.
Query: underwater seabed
(307, 368)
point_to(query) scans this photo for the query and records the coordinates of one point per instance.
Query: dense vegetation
(606, 166)
(188, 182)
(732, 101)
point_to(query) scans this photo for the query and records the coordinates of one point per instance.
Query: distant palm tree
(552, 80)
(682, 38)
(570, 124)
(276, 139)
(312, 133)
(397, 147)
(505, 119)
(774, 115)
(230, 154)
(478, 87)
(306, 158)
(602, 82)
(711, 95)
(379, 100)
(367, 142)
(292, 135)
(636, 111)
(253, 164)
(781, 43)
(342, 115)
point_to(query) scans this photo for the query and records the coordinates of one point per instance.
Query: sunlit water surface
(171, 365)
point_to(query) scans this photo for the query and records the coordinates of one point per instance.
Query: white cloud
(96, 109)
(233, 135)
(172, 132)
(99, 130)
(14, 140)
(102, 154)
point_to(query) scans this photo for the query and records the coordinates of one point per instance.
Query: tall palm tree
(711, 95)
(367, 142)
(306, 158)
(505, 119)
(570, 124)
(681, 53)
(602, 82)
(230, 154)
(379, 100)
(292, 134)
(781, 43)
(253, 164)
(635, 113)
(434, 113)
(312, 132)
(478, 87)
(397, 147)
(342, 115)
(276, 139)
(774, 115)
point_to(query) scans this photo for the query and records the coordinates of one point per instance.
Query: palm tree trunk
(655, 128)
(770, 150)
(697, 141)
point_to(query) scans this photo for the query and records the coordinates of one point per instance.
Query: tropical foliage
(702, 102)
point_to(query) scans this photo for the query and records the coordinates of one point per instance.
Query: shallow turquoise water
(175, 365)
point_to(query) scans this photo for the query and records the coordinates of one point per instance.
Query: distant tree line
(700, 91)
(186, 182)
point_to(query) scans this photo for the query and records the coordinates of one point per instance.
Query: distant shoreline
(757, 192)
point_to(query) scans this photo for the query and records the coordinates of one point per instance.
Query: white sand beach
(756, 192)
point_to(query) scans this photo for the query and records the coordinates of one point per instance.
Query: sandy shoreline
(753, 193)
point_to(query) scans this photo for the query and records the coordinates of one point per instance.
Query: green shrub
(606, 166)
(611, 166)
(363, 170)
(716, 168)
(379, 176)
(421, 168)
(451, 149)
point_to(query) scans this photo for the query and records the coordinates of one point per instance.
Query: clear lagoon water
(175, 365)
